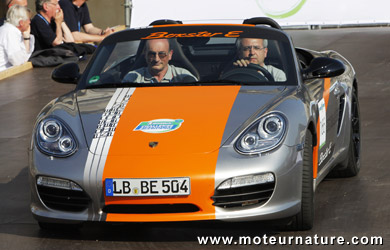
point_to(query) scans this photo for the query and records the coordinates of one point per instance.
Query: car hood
(169, 120)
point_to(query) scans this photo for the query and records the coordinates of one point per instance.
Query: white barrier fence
(285, 12)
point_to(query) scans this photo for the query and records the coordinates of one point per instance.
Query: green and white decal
(94, 79)
(159, 126)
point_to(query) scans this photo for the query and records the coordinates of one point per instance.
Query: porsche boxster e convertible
(241, 126)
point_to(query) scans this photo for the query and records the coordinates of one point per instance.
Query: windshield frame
(213, 30)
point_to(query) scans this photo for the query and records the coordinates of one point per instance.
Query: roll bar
(254, 20)
(263, 21)
(164, 22)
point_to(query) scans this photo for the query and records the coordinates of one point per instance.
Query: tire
(304, 219)
(351, 167)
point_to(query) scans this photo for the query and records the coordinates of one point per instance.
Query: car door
(328, 120)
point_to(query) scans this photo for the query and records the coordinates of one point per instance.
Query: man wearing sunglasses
(254, 50)
(157, 55)
(9, 3)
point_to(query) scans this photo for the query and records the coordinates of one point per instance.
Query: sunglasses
(161, 54)
(247, 48)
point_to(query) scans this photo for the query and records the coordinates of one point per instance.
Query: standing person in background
(76, 16)
(48, 33)
(9, 3)
(16, 42)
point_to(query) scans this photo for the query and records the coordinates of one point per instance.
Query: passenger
(76, 16)
(254, 50)
(157, 55)
(48, 33)
(9, 3)
(16, 42)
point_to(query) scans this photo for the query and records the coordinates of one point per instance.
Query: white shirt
(12, 49)
(279, 75)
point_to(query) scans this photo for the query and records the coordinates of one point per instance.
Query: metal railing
(128, 6)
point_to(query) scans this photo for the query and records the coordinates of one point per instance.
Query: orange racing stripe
(190, 151)
(316, 148)
(326, 91)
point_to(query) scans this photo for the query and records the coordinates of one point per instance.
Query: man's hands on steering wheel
(243, 63)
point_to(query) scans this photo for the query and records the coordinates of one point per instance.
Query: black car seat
(179, 59)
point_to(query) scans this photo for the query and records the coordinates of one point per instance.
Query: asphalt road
(358, 206)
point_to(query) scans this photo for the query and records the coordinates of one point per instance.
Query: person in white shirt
(254, 50)
(157, 55)
(16, 42)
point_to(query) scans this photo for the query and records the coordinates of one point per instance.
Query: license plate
(148, 187)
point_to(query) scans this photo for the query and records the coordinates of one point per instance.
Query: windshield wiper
(136, 85)
(118, 85)
(219, 82)
(229, 82)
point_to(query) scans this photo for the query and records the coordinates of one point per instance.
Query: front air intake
(243, 196)
(150, 209)
(63, 199)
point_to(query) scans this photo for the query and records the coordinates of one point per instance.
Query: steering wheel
(248, 74)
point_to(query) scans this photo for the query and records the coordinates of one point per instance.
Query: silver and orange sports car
(214, 141)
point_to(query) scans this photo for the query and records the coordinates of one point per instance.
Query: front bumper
(285, 163)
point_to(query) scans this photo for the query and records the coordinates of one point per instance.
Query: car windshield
(192, 55)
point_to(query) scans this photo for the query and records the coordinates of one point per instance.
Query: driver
(254, 50)
(157, 55)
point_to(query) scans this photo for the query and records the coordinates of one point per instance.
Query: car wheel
(352, 165)
(304, 219)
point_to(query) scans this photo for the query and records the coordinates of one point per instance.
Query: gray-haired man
(254, 50)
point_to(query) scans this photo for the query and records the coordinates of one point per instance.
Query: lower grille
(150, 209)
(62, 199)
(243, 196)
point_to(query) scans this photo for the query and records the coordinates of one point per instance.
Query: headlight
(54, 138)
(263, 135)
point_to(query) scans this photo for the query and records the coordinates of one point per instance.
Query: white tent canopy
(285, 12)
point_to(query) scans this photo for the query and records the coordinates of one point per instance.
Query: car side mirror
(323, 67)
(67, 73)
